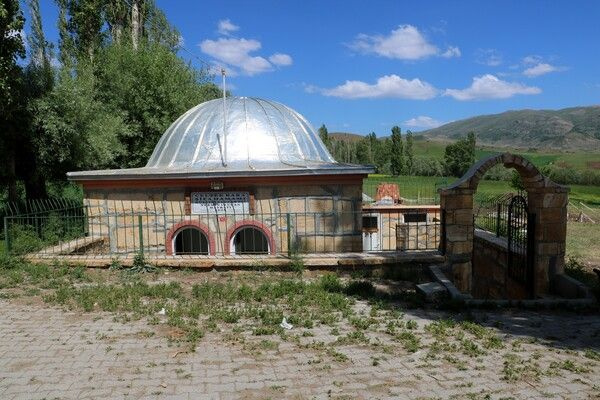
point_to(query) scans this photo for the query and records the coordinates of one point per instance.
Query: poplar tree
(397, 152)
(11, 49)
(410, 156)
(324, 135)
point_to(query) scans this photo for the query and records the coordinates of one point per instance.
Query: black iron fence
(121, 229)
(491, 213)
(30, 210)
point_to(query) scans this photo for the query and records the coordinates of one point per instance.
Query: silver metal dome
(260, 134)
(263, 138)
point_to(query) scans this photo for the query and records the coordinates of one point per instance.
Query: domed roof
(262, 138)
(260, 134)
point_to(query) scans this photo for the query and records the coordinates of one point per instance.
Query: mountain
(576, 128)
(345, 136)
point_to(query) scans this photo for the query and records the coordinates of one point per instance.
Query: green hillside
(572, 129)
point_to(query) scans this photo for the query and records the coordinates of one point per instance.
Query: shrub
(331, 283)
(360, 288)
(24, 239)
(8, 262)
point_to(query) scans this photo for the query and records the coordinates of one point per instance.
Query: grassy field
(578, 160)
(424, 187)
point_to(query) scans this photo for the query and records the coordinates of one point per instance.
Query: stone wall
(546, 200)
(418, 236)
(490, 265)
(115, 213)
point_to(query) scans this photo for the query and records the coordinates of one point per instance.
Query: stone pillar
(457, 204)
(549, 204)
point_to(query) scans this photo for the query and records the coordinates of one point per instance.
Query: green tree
(373, 147)
(81, 132)
(66, 46)
(85, 24)
(382, 156)
(151, 86)
(324, 135)
(38, 81)
(410, 156)
(362, 151)
(11, 49)
(460, 155)
(397, 152)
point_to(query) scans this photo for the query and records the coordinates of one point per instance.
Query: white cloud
(226, 27)
(452, 51)
(386, 86)
(404, 43)
(540, 69)
(532, 59)
(490, 87)
(236, 53)
(489, 57)
(423, 121)
(536, 66)
(281, 59)
(235, 56)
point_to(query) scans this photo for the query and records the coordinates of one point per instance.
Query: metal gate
(521, 233)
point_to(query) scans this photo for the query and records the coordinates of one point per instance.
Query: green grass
(425, 187)
(582, 241)
(244, 309)
(578, 160)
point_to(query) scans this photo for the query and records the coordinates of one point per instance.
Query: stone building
(244, 175)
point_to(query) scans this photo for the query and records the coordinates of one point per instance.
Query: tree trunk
(135, 23)
(12, 175)
(35, 187)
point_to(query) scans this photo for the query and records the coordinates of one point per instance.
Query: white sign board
(220, 202)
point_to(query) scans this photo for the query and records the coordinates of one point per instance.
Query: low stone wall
(490, 264)
(418, 236)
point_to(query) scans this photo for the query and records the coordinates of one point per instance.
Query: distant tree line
(100, 98)
(395, 155)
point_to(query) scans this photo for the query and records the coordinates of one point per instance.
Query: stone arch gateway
(546, 200)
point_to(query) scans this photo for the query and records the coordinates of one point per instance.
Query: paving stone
(47, 353)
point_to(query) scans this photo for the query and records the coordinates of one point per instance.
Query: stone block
(555, 200)
(463, 217)
(457, 233)
(432, 290)
(461, 201)
(317, 205)
(461, 276)
(553, 232)
(552, 215)
(460, 247)
(547, 249)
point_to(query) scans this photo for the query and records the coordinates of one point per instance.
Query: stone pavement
(50, 353)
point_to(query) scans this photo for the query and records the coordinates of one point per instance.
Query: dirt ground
(87, 335)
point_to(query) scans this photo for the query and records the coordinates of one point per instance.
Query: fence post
(289, 233)
(86, 230)
(499, 211)
(141, 233)
(6, 236)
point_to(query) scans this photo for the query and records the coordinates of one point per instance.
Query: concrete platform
(310, 260)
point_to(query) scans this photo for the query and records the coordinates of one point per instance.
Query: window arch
(190, 237)
(249, 240)
(249, 237)
(190, 241)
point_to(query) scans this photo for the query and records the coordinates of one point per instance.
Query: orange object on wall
(388, 190)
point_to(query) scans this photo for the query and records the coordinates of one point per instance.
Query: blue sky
(366, 66)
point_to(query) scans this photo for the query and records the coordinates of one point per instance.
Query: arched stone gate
(546, 199)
